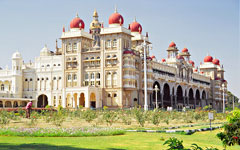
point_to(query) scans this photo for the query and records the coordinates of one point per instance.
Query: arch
(92, 100)
(203, 94)
(42, 101)
(190, 96)
(166, 96)
(8, 104)
(15, 104)
(82, 100)
(198, 99)
(180, 95)
(158, 94)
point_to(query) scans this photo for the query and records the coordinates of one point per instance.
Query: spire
(95, 14)
(129, 27)
(115, 9)
(135, 20)
(146, 34)
(56, 46)
(63, 28)
(77, 15)
(102, 25)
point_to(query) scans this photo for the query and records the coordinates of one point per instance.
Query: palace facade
(104, 67)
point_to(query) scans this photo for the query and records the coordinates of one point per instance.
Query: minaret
(95, 28)
(172, 50)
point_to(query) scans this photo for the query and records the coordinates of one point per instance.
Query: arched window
(114, 95)
(114, 56)
(98, 57)
(47, 78)
(69, 77)
(75, 46)
(92, 75)
(86, 58)
(108, 79)
(92, 57)
(86, 76)
(26, 80)
(108, 56)
(2, 87)
(59, 65)
(98, 75)
(69, 46)
(54, 65)
(115, 43)
(48, 65)
(74, 77)
(108, 43)
(109, 95)
(59, 78)
(54, 78)
(30, 79)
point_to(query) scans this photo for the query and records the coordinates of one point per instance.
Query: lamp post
(156, 90)
(223, 98)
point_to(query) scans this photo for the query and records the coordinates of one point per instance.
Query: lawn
(131, 140)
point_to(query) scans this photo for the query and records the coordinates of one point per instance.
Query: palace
(104, 67)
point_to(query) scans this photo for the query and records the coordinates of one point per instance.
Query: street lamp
(156, 90)
(223, 86)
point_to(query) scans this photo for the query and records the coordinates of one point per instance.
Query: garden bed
(61, 132)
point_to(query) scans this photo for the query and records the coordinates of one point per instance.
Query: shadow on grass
(38, 146)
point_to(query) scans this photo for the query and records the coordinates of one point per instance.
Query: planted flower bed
(61, 132)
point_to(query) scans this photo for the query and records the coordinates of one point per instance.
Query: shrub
(4, 119)
(174, 144)
(140, 116)
(156, 117)
(231, 134)
(110, 117)
(89, 115)
(126, 117)
(57, 119)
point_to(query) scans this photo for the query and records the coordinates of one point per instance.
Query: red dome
(116, 18)
(195, 70)
(216, 61)
(77, 23)
(184, 50)
(172, 44)
(135, 27)
(163, 60)
(153, 57)
(202, 72)
(191, 62)
(179, 57)
(208, 59)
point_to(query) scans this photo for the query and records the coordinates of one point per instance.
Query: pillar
(56, 101)
(3, 103)
(161, 98)
(78, 97)
(194, 102)
(171, 96)
(175, 100)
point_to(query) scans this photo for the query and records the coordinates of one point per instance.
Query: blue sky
(203, 26)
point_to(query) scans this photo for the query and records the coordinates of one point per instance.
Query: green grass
(129, 141)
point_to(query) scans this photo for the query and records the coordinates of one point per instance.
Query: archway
(82, 100)
(190, 96)
(179, 95)
(204, 95)
(8, 104)
(42, 101)
(93, 100)
(15, 104)
(158, 95)
(198, 99)
(166, 96)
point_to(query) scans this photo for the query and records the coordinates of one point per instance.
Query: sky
(203, 26)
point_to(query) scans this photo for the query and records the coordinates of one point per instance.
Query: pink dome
(116, 18)
(135, 27)
(172, 44)
(184, 50)
(208, 59)
(163, 60)
(77, 23)
(216, 61)
(192, 62)
(179, 57)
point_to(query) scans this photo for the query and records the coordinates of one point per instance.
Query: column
(175, 100)
(161, 98)
(184, 101)
(57, 100)
(78, 97)
(3, 103)
(194, 102)
(87, 101)
(188, 101)
(171, 96)
(12, 103)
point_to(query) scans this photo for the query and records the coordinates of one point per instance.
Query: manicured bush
(110, 117)
(140, 116)
(89, 115)
(60, 132)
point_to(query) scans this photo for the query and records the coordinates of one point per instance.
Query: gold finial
(95, 14)
(77, 15)
(115, 8)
